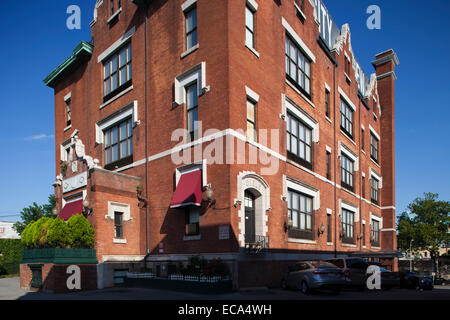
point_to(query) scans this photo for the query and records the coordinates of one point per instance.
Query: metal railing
(256, 243)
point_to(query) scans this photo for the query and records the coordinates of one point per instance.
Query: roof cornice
(81, 50)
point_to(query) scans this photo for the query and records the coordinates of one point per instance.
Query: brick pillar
(385, 64)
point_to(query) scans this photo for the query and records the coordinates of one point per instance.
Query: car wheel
(304, 287)
(283, 284)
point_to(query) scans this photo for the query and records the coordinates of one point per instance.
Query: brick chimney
(385, 64)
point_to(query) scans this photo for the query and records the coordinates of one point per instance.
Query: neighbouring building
(243, 130)
(7, 231)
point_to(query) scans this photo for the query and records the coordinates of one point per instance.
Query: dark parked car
(389, 279)
(408, 280)
(355, 271)
(312, 275)
(426, 283)
(440, 281)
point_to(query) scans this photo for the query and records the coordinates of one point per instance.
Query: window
(362, 139)
(327, 103)
(347, 67)
(251, 121)
(375, 237)
(346, 118)
(348, 222)
(118, 144)
(298, 67)
(374, 147)
(117, 72)
(374, 187)
(68, 112)
(299, 141)
(112, 7)
(328, 165)
(300, 212)
(329, 236)
(119, 5)
(118, 225)
(363, 234)
(191, 28)
(347, 166)
(192, 110)
(249, 27)
(192, 221)
(363, 187)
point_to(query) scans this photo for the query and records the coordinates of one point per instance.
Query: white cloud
(41, 136)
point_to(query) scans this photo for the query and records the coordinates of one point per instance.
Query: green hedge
(11, 250)
(77, 232)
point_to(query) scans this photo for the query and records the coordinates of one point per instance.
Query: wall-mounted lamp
(86, 210)
(321, 230)
(287, 225)
(237, 203)
(55, 211)
(208, 195)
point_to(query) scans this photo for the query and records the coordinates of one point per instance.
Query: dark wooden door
(249, 217)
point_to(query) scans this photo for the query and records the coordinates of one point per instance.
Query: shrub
(59, 235)
(26, 235)
(39, 232)
(82, 232)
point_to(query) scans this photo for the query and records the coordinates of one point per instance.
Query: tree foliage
(33, 213)
(427, 225)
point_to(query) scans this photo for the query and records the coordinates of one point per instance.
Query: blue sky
(36, 40)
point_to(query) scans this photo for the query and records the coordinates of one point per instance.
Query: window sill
(350, 245)
(375, 163)
(192, 238)
(328, 119)
(119, 241)
(347, 136)
(329, 243)
(374, 247)
(347, 78)
(189, 51)
(256, 53)
(300, 93)
(116, 97)
(114, 16)
(363, 151)
(303, 241)
(67, 128)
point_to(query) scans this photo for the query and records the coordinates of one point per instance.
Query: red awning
(70, 209)
(188, 191)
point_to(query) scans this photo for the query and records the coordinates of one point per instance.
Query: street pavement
(10, 290)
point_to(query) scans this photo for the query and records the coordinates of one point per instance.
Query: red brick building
(277, 118)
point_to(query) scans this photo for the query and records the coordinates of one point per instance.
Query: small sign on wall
(224, 232)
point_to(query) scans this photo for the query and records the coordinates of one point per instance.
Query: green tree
(427, 225)
(34, 213)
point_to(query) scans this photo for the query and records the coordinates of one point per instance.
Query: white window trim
(354, 158)
(352, 208)
(346, 98)
(253, 5)
(199, 165)
(372, 130)
(195, 74)
(116, 45)
(252, 95)
(115, 14)
(132, 110)
(327, 87)
(188, 4)
(68, 96)
(74, 197)
(119, 207)
(314, 125)
(376, 218)
(376, 176)
(307, 191)
(296, 38)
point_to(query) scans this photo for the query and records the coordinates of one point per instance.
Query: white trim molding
(118, 207)
(304, 189)
(195, 74)
(374, 174)
(298, 40)
(129, 110)
(290, 106)
(199, 165)
(372, 130)
(346, 98)
(252, 95)
(350, 207)
(344, 149)
(116, 45)
(188, 4)
(253, 5)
